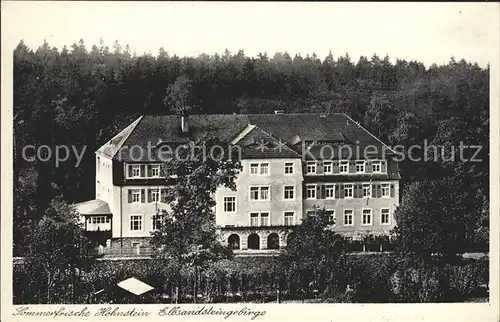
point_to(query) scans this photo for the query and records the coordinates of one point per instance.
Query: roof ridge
(132, 126)
(373, 136)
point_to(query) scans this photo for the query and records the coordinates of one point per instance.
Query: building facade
(292, 164)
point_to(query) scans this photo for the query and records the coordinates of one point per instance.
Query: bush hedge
(377, 278)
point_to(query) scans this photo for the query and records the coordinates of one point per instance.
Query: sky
(427, 32)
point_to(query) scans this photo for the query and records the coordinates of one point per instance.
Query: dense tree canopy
(81, 96)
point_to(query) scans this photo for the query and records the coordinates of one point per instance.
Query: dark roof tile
(293, 129)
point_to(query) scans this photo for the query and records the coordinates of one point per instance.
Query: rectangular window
(288, 167)
(254, 193)
(254, 219)
(264, 193)
(344, 167)
(289, 192)
(158, 220)
(376, 166)
(329, 191)
(366, 190)
(348, 191)
(386, 190)
(136, 171)
(229, 204)
(264, 219)
(155, 195)
(254, 168)
(311, 192)
(348, 217)
(384, 216)
(311, 167)
(259, 193)
(360, 166)
(259, 168)
(259, 219)
(135, 222)
(331, 217)
(155, 171)
(328, 167)
(136, 195)
(100, 220)
(264, 168)
(366, 217)
(289, 219)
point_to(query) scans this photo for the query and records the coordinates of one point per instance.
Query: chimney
(279, 112)
(184, 123)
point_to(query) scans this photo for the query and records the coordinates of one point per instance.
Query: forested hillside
(83, 95)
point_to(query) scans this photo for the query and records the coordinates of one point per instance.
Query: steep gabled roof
(295, 130)
(111, 147)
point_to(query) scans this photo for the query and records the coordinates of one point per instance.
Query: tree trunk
(72, 284)
(49, 281)
(178, 288)
(195, 288)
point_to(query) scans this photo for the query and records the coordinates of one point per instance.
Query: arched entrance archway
(273, 241)
(253, 241)
(234, 241)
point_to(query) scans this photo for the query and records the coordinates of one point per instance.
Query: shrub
(466, 280)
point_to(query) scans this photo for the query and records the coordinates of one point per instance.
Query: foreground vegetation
(377, 278)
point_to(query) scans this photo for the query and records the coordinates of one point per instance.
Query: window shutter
(357, 190)
(379, 191)
(384, 166)
(352, 166)
(143, 170)
(337, 191)
(392, 191)
(319, 167)
(143, 197)
(368, 167)
(304, 192)
(323, 191)
(374, 190)
(150, 192)
(341, 191)
(129, 196)
(148, 167)
(163, 194)
(335, 165)
(129, 167)
(318, 192)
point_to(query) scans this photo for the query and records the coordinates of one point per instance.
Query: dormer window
(155, 171)
(377, 166)
(311, 167)
(344, 167)
(360, 166)
(135, 171)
